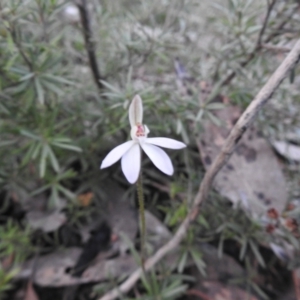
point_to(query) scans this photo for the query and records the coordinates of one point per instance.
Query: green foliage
(5, 279)
(166, 287)
(15, 242)
(56, 125)
(15, 247)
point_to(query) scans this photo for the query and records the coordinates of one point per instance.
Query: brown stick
(276, 48)
(265, 23)
(89, 42)
(236, 133)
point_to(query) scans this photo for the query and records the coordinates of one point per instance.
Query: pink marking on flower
(140, 130)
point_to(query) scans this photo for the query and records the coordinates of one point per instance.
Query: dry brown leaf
(46, 221)
(51, 269)
(218, 291)
(85, 199)
(252, 177)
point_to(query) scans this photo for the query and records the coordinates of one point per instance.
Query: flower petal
(131, 163)
(115, 154)
(147, 130)
(166, 143)
(159, 158)
(136, 111)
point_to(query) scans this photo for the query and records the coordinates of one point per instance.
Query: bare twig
(276, 48)
(240, 127)
(282, 24)
(19, 47)
(264, 26)
(258, 46)
(89, 42)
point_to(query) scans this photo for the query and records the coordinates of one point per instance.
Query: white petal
(147, 130)
(159, 157)
(166, 143)
(115, 154)
(136, 111)
(131, 163)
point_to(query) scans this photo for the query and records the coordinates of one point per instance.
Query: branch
(282, 24)
(258, 46)
(19, 47)
(240, 127)
(89, 42)
(276, 48)
(264, 26)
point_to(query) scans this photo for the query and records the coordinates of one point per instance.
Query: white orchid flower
(130, 152)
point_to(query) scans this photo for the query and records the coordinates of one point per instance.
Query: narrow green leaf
(259, 291)
(221, 246)
(54, 198)
(155, 287)
(7, 143)
(30, 135)
(43, 160)
(53, 159)
(257, 253)
(18, 88)
(66, 192)
(26, 77)
(198, 261)
(201, 219)
(244, 248)
(28, 155)
(178, 126)
(110, 87)
(292, 76)
(58, 79)
(67, 146)
(39, 91)
(182, 262)
(175, 292)
(52, 87)
(3, 108)
(199, 115)
(36, 150)
(61, 140)
(66, 175)
(21, 71)
(215, 106)
(40, 190)
(213, 118)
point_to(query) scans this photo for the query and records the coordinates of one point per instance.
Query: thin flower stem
(140, 193)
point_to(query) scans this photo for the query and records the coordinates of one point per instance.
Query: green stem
(142, 217)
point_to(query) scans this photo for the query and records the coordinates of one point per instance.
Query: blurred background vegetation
(65, 87)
